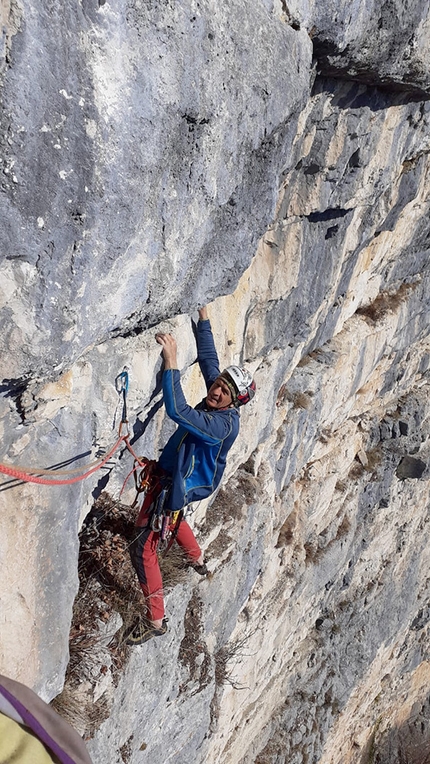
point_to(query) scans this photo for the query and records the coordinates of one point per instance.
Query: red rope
(139, 462)
(137, 458)
(53, 471)
(136, 466)
(32, 475)
(18, 473)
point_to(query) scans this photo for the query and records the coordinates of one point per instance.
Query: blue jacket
(196, 453)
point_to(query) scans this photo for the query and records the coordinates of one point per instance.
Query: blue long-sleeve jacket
(196, 453)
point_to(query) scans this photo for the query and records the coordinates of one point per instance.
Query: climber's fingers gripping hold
(169, 350)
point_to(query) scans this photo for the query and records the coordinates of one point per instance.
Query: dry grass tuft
(386, 302)
(305, 361)
(316, 547)
(126, 750)
(174, 566)
(344, 528)
(216, 549)
(356, 471)
(232, 652)
(313, 552)
(374, 458)
(108, 586)
(302, 400)
(232, 501)
(341, 486)
(107, 581)
(298, 399)
(82, 713)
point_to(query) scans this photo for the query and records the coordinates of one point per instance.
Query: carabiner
(121, 381)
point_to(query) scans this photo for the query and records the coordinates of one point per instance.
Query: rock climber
(191, 465)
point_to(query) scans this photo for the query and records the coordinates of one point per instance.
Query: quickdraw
(149, 479)
(161, 515)
(121, 385)
(175, 521)
(67, 477)
(144, 480)
(160, 519)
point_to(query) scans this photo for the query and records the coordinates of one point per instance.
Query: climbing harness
(153, 485)
(167, 525)
(175, 521)
(161, 517)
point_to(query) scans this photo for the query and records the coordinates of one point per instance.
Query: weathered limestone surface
(159, 156)
(377, 42)
(143, 150)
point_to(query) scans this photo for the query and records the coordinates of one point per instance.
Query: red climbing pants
(143, 552)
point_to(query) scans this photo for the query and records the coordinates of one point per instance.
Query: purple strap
(36, 727)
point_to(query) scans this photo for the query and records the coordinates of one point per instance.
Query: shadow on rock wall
(408, 743)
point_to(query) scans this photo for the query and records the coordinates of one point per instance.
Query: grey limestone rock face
(140, 145)
(379, 43)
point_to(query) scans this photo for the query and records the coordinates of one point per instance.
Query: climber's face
(219, 396)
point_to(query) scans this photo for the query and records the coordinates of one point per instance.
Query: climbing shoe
(202, 570)
(143, 630)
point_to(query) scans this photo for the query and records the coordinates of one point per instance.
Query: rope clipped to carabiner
(35, 474)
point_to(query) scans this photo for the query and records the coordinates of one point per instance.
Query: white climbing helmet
(243, 388)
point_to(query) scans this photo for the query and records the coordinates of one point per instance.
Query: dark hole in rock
(410, 467)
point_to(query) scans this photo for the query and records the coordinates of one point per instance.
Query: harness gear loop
(156, 484)
(175, 521)
(160, 518)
